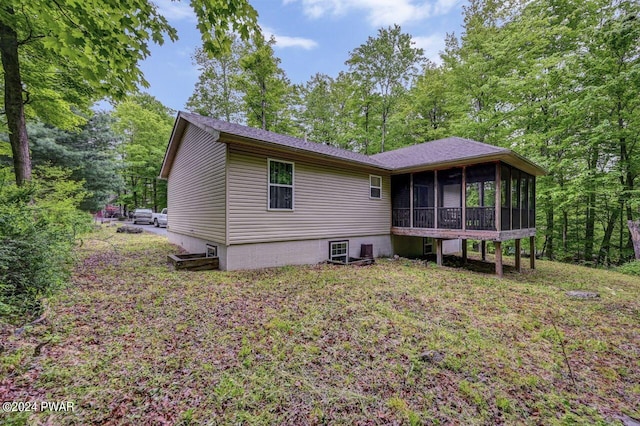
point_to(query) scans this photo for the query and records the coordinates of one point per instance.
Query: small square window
(339, 251)
(375, 186)
(212, 251)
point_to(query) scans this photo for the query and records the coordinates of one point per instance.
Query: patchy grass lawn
(131, 342)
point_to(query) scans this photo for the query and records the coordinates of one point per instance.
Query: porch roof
(449, 152)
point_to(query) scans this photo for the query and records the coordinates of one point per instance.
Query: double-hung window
(280, 185)
(375, 186)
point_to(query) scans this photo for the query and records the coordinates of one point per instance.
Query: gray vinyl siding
(452, 196)
(329, 202)
(196, 187)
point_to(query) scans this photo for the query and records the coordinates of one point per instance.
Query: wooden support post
(411, 222)
(498, 246)
(464, 251)
(463, 197)
(439, 251)
(436, 199)
(518, 264)
(483, 249)
(498, 200)
(532, 252)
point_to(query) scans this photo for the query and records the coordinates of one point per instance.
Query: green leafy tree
(610, 102)
(558, 81)
(330, 109)
(384, 66)
(317, 113)
(536, 90)
(38, 225)
(91, 49)
(216, 94)
(90, 155)
(145, 126)
(426, 112)
(267, 92)
(475, 64)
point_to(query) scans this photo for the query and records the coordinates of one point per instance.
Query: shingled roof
(444, 152)
(437, 152)
(262, 136)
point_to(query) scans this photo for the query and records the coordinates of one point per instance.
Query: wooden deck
(496, 236)
(464, 234)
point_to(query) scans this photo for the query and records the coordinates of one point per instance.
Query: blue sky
(312, 36)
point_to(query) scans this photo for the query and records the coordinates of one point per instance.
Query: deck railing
(476, 218)
(450, 217)
(423, 217)
(481, 218)
(401, 217)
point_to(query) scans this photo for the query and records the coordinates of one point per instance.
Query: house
(258, 199)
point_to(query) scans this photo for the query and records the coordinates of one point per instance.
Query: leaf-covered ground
(132, 342)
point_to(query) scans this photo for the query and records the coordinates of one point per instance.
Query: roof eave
(247, 141)
(179, 127)
(170, 153)
(174, 141)
(507, 156)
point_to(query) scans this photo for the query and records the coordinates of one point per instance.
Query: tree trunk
(384, 127)
(549, 235)
(366, 129)
(135, 192)
(590, 212)
(155, 195)
(621, 246)
(589, 234)
(13, 102)
(634, 229)
(630, 189)
(605, 248)
(565, 232)
(263, 107)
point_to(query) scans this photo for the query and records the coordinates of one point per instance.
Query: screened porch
(484, 199)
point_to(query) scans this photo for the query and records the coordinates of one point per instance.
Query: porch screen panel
(480, 197)
(505, 196)
(423, 200)
(450, 199)
(532, 202)
(401, 200)
(524, 199)
(515, 199)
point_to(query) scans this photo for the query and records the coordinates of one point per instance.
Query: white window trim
(212, 251)
(292, 186)
(427, 242)
(331, 243)
(375, 187)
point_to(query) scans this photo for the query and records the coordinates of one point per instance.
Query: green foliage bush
(39, 223)
(631, 268)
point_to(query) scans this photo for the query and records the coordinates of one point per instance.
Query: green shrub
(631, 268)
(38, 226)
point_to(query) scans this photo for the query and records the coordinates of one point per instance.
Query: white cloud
(442, 7)
(176, 11)
(286, 41)
(432, 46)
(379, 12)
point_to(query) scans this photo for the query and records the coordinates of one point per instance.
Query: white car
(142, 215)
(160, 219)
